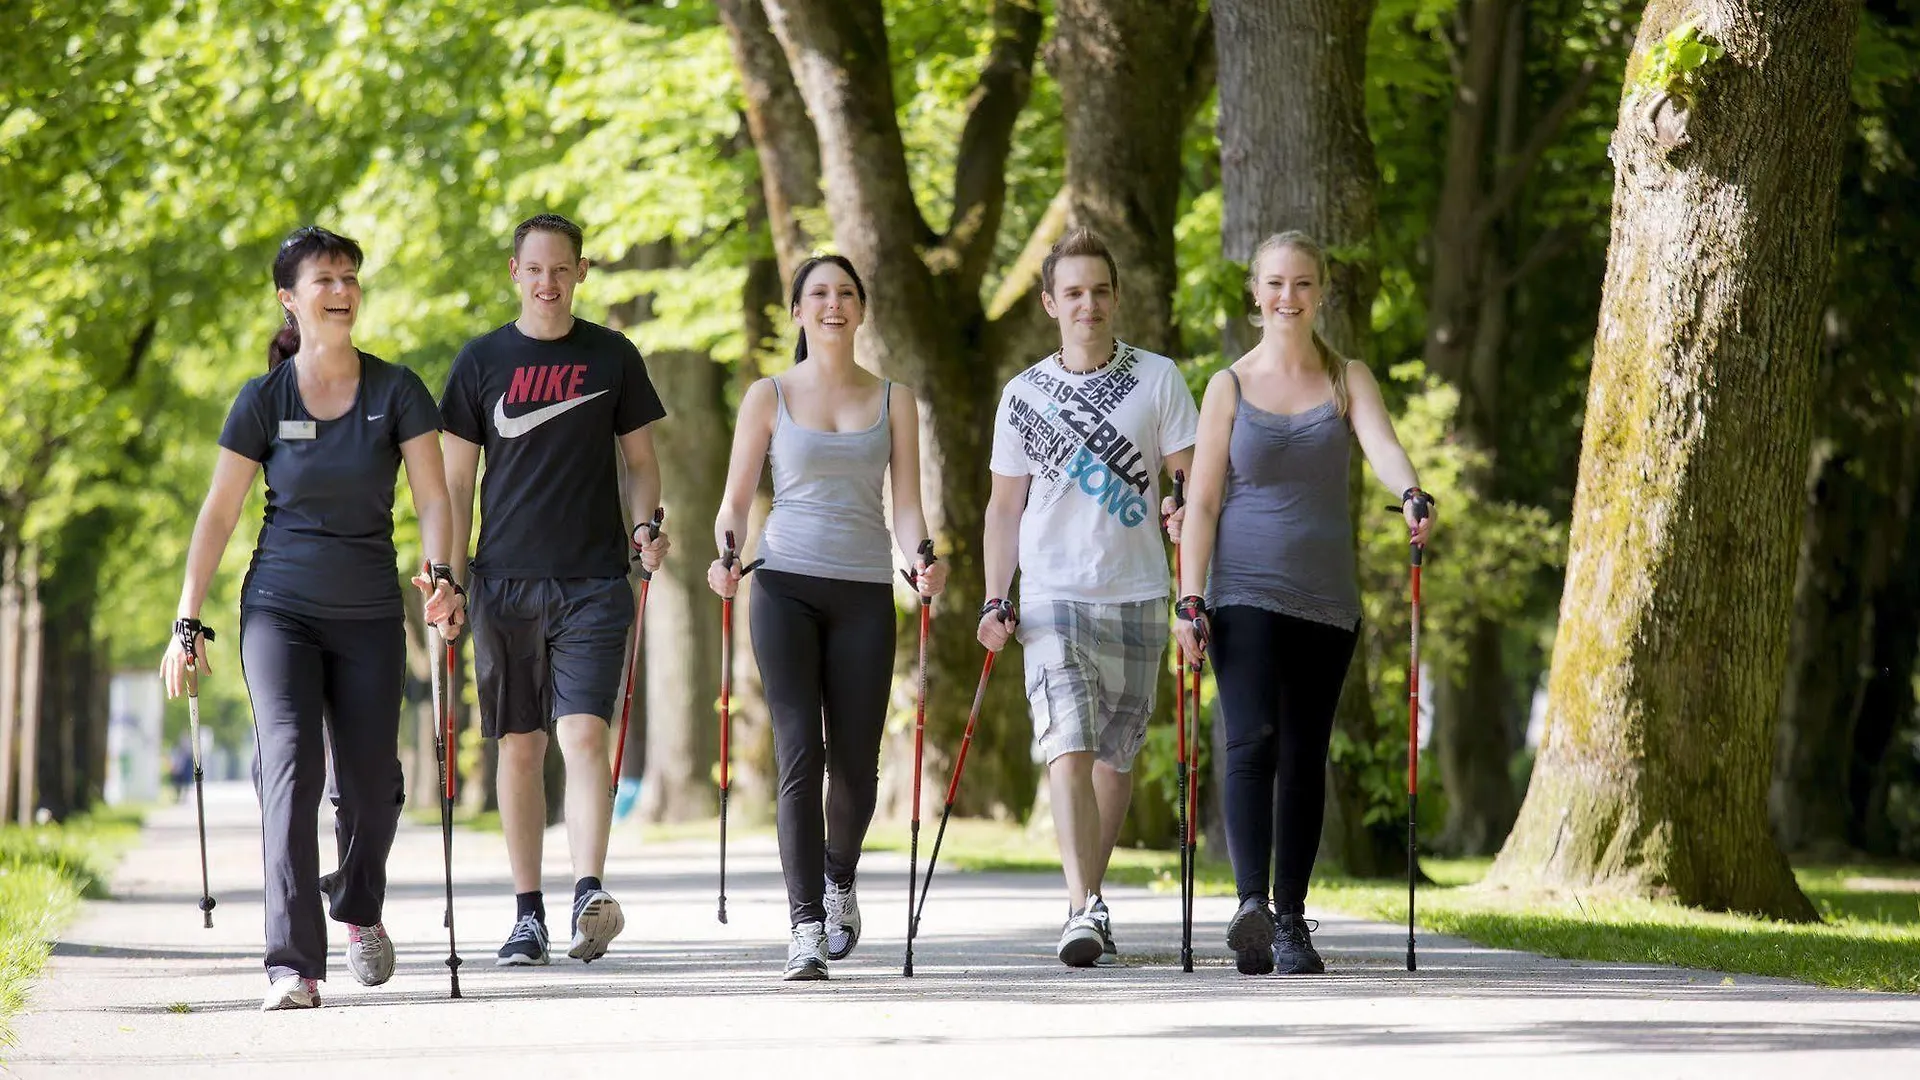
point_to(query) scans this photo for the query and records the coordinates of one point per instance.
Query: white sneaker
(369, 954)
(1080, 941)
(1103, 919)
(807, 953)
(291, 992)
(843, 920)
(596, 922)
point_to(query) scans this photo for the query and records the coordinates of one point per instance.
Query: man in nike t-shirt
(549, 397)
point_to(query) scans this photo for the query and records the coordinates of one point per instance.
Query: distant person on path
(1079, 445)
(1267, 512)
(823, 613)
(322, 631)
(549, 399)
(180, 766)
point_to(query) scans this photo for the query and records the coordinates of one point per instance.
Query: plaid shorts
(1091, 674)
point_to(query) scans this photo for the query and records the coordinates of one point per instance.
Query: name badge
(297, 429)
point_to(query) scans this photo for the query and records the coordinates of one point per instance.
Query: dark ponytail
(800, 284)
(306, 242)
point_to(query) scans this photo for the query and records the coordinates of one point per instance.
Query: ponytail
(800, 347)
(284, 344)
(1336, 366)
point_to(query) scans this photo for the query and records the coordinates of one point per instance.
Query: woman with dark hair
(1267, 514)
(823, 612)
(322, 629)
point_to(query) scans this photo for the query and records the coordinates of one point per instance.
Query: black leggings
(301, 672)
(826, 660)
(1279, 680)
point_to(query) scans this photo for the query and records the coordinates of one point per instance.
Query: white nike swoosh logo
(512, 427)
(376, 416)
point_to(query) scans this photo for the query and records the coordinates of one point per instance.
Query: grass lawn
(45, 870)
(1870, 940)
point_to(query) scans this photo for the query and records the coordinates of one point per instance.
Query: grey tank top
(826, 519)
(1285, 542)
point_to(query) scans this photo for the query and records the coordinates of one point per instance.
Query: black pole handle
(913, 575)
(1179, 489)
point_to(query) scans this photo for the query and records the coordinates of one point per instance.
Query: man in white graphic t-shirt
(1079, 444)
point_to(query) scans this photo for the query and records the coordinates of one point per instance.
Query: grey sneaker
(1250, 936)
(527, 945)
(291, 992)
(597, 920)
(1102, 918)
(843, 920)
(369, 954)
(1080, 941)
(807, 953)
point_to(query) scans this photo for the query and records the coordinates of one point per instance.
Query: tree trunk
(1668, 660)
(1293, 162)
(676, 716)
(32, 672)
(12, 612)
(1124, 104)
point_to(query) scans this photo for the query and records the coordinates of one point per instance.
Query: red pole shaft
(966, 737)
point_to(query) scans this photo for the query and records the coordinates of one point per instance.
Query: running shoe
(807, 953)
(369, 954)
(1102, 918)
(1293, 952)
(843, 919)
(527, 945)
(1080, 941)
(1250, 936)
(596, 922)
(291, 992)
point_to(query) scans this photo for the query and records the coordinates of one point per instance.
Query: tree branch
(1551, 243)
(1514, 176)
(980, 178)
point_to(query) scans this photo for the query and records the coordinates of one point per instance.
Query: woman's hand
(724, 580)
(445, 606)
(173, 665)
(1417, 530)
(929, 578)
(1191, 630)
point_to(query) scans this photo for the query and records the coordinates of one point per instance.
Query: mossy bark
(1667, 665)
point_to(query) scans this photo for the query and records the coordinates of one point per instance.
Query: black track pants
(302, 672)
(826, 659)
(1279, 680)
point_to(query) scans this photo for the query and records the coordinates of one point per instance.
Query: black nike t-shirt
(326, 540)
(545, 414)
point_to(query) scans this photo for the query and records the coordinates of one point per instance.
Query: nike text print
(557, 383)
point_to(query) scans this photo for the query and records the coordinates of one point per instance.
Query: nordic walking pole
(189, 632)
(953, 786)
(919, 735)
(726, 706)
(633, 651)
(443, 711)
(1180, 760)
(1415, 550)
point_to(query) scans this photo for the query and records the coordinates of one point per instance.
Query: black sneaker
(1293, 952)
(1103, 921)
(1250, 936)
(527, 945)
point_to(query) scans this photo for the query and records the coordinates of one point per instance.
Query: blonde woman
(1267, 514)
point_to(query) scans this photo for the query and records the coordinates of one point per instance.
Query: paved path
(137, 988)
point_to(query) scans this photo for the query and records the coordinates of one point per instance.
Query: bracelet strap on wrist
(188, 629)
(1417, 493)
(444, 572)
(1191, 608)
(1002, 606)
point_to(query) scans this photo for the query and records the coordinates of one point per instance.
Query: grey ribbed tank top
(826, 519)
(1285, 542)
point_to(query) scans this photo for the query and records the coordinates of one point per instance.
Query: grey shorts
(544, 648)
(1091, 673)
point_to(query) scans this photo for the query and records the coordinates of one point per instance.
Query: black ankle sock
(530, 903)
(584, 886)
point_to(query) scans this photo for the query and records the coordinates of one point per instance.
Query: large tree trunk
(32, 672)
(1293, 162)
(12, 611)
(1667, 664)
(1123, 97)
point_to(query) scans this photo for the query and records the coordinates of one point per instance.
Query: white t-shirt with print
(1093, 444)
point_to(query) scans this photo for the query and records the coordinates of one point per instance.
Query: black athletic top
(326, 540)
(545, 414)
